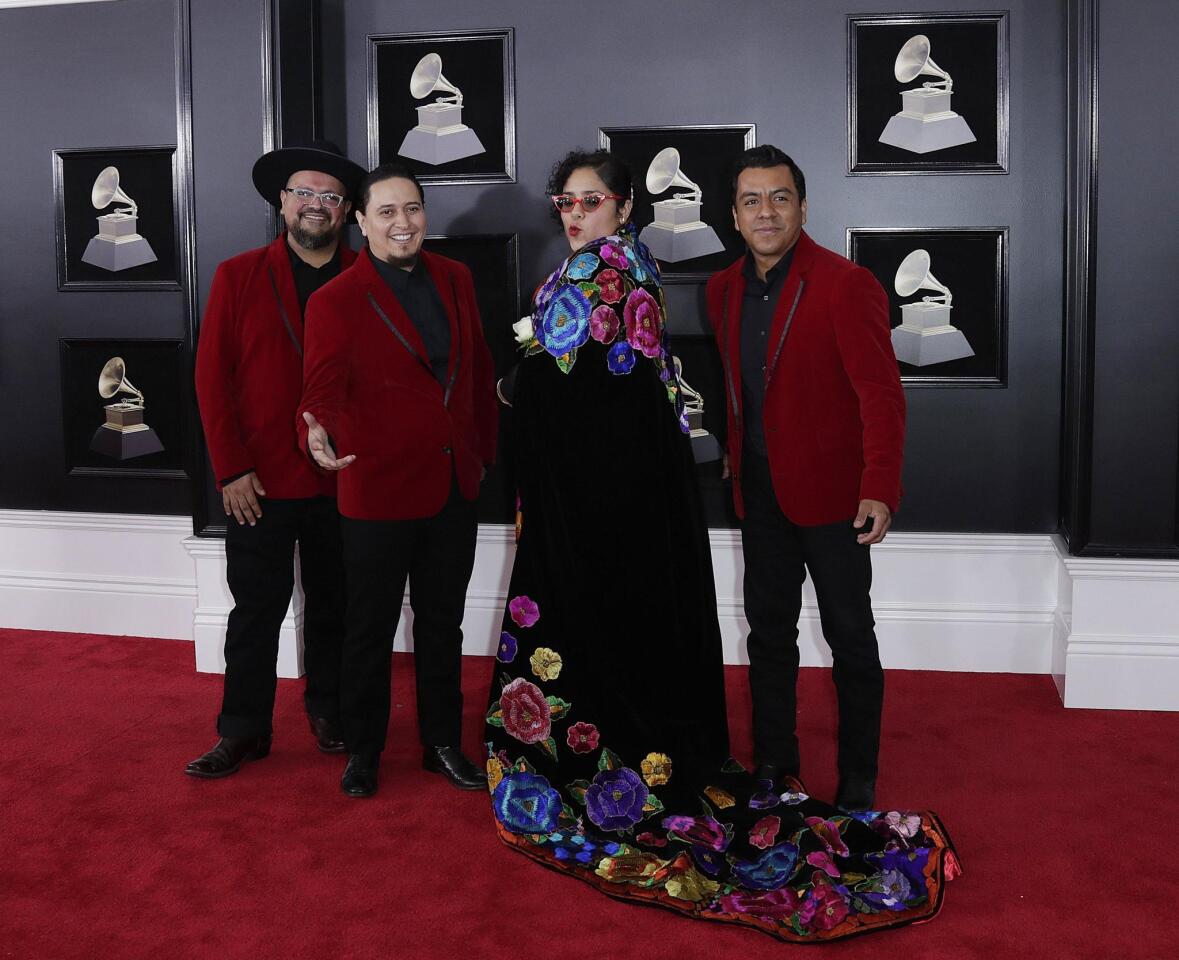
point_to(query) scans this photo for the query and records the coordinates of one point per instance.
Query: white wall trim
(1106, 629)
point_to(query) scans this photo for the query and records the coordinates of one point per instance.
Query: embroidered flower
(644, 267)
(643, 323)
(701, 831)
(656, 769)
(603, 325)
(615, 254)
(790, 798)
(582, 737)
(902, 824)
(526, 803)
(546, 663)
(506, 651)
(495, 772)
(823, 909)
(620, 358)
(610, 288)
(764, 800)
(628, 867)
(708, 860)
(889, 890)
(564, 324)
(910, 863)
(690, 886)
(764, 832)
(548, 288)
(722, 798)
(649, 839)
(615, 799)
(822, 860)
(772, 905)
(769, 871)
(582, 266)
(524, 611)
(526, 712)
(828, 832)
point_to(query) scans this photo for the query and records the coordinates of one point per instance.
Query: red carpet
(1065, 822)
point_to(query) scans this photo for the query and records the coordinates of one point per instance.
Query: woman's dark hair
(613, 171)
(386, 171)
(764, 157)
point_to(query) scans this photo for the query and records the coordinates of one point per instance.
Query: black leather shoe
(450, 762)
(229, 754)
(855, 794)
(773, 775)
(360, 776)
(327, 734)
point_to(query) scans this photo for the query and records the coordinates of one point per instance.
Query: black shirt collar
(774, 275)
(298, 264)
(396, 277)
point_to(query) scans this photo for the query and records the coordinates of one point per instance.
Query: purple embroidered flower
(769, 871)
(643, 323)
(615, 799)
(764, 800)
(764, 832)
(828, 832)
(564, 322)
(524, 611)
(547, 289)
(615, 254)
(910, 863)
(604, 324)
(526, 713)
(582, 737)
(526, 803)
(822, 860)
(707, 861)
(506, 652)
(609, 286)
(582, 266)
(621, 358)
(902, 824)
(890, 890)
(699, 831)
(824, 909)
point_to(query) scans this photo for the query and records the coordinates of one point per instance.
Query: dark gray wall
(976, 459)
(91, 75)
(1135, 449)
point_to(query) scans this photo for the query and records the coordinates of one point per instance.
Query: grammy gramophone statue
(441, 135)
(925, 122)
(925, 335)
(705, 447)
(677, 232)
(124, 435)
(118, 245)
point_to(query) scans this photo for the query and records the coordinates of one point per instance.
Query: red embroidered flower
(764, 832)
(610, 284)
(824, 909)
(524, 611)
(525, 711)
(582, 737)
(828, 832)
(822, 860)
(643, 323)
(604, 325)
(650, 840)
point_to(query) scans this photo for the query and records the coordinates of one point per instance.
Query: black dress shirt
(415, 291)
(757, 317)
(308, 279)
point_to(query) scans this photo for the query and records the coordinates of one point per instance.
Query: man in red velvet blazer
(399, 397)
(816, 419)
(249, 377)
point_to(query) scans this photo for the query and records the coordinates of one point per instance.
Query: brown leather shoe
(228, 754)
(327, 734)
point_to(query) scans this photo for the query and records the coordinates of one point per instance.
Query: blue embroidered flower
(564, 324)
(620, 358)
(526, 803)
(506, 652)
(769, 871)
(615, 799)
(644, 268)
(707, 861)
(910, 863)
(582, 266)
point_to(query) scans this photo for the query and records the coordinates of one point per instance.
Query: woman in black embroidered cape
(607, 734)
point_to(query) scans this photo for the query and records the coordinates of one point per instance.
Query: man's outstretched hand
(320, 447)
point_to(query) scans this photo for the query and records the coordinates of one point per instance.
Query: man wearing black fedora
(249, 376)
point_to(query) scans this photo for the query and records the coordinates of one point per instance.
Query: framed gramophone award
(116, 218)
(122, 407)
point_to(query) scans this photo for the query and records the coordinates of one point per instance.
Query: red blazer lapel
(381, 297)
(785, 312)
(281, 281)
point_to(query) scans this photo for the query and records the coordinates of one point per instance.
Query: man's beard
(309, 239)
(401, 262)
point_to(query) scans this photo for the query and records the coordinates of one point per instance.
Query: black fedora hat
(274, 169)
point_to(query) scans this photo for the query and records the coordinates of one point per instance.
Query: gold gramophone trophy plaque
(705, 447)
(124, 435)
(677, 232)
(440, 135)
(117, 245)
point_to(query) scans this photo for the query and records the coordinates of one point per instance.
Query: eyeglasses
(330, 200)
(565, 202)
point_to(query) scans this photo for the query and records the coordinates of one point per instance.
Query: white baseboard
(1107, 630)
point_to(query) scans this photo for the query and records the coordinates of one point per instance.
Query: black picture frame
(480, 63)
(972, 47)
(972, 262)
(148, 175)
(707, 152)
(156, 367)
(494, 262)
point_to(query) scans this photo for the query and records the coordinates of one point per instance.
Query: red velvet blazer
(249, 374)
(367, 380)
(834, 412)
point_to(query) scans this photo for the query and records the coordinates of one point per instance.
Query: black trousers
(778, 554)
(436, 555)
(259, 563)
